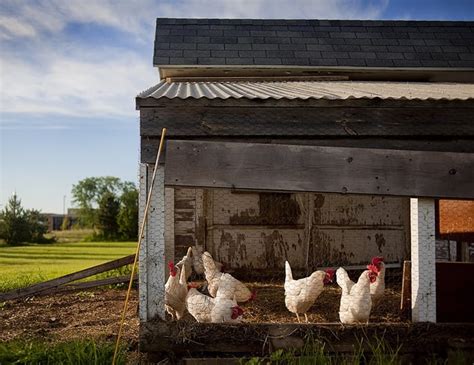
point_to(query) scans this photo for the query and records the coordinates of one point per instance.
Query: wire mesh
(253, 234)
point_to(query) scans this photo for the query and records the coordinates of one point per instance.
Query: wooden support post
(152, 273)
(423, 255)
(142, 277)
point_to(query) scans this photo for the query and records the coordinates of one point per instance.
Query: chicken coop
(321, 143)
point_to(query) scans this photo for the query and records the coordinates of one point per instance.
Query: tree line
(106, 204)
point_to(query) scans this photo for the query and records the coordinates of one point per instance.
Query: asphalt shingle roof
(361, 43)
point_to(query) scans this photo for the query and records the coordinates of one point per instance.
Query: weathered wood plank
(405, 301)
(188, 338)
(149, 146)
(304, 121)
(319, 169)
(38, 288)
(87, 285)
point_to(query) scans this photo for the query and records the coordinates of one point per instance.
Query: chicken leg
(306, 317)
(298, 317)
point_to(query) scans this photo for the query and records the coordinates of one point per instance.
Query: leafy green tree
(128, 215)
(14, 222)
(109, 207)
(87, 194)
(18, 225)
(37, 225)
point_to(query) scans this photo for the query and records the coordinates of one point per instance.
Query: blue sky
(70, 70)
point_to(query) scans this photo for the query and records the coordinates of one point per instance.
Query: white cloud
(71, 78)
(10, 26)
(76, 88)
(311, 9)
(137, 16)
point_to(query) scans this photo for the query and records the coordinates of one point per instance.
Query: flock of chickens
(225, 291)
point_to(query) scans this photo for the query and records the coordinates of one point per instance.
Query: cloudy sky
(70, 69)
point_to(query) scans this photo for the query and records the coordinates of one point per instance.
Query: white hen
(199, 305)
(187, 263)
(225, 310)
(346, 284)
(230, 285)
(175, 292)
(198, 265)
(357, 303)
(301, 294)
(377, 288)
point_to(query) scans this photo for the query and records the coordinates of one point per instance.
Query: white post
(423, 256)
(142, 277)
(152, 251)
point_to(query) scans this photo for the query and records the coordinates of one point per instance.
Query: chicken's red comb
(373, 268)
(253, 296)
(377, 260)
(238, 310)
(171, 265)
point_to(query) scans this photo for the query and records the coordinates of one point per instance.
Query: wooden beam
(87, 285)
(35, 289)
(149, 146)
(354, 73)
(290, 168)
(184, 120)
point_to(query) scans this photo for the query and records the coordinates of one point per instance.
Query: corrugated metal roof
(302, 90)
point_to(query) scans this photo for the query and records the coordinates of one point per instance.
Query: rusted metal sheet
(456, 220)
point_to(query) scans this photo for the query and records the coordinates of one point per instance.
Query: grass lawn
(24, 265)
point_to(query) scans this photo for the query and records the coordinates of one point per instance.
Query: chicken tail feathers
(208, 262)
(288, 273)
(182, 276)
(342, 279)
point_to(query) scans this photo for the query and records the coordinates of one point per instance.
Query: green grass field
(24, 265)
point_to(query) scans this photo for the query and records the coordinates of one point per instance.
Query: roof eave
(428, 74)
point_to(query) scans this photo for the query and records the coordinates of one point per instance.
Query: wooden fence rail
(50, 285)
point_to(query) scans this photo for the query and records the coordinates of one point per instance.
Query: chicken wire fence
(283, 258)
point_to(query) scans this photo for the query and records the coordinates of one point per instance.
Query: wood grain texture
(189, 121)
(149, 146)
(319, 169)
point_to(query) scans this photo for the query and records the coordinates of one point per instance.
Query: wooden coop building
(320, 142)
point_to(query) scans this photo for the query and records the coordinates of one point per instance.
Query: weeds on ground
(67, 353)
(315, 352)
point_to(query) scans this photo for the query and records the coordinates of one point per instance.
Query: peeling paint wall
(261, 230)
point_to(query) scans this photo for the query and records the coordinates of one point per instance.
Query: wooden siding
(239, 231)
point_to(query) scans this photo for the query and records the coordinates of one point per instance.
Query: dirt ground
(96, 314)
(92, 314)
